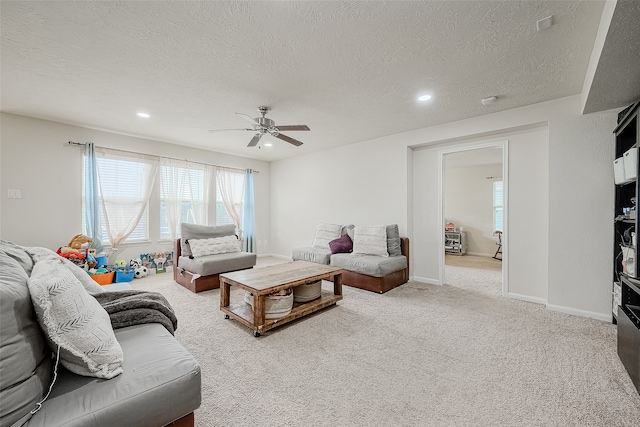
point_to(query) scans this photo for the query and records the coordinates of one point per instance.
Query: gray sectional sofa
(201, 273)
(153, 380)
(378, 271)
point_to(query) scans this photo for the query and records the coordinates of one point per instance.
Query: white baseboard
(527, 298)
(479, 254)
(425, 280)
(605, 317)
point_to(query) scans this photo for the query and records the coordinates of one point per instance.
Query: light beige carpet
(419, 355)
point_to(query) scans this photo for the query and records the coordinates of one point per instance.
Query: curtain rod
(83, 144)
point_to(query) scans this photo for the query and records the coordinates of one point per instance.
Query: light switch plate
(14, 194)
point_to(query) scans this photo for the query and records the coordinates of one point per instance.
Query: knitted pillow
(214, 246)
(371, 240)
(326, 233)
(73, 320)
(90, 285)
(195, 231)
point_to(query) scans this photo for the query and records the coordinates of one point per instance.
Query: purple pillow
(343, 244)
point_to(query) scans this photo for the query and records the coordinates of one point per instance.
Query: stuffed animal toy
(91, 261)
(141, 272)
(135, 263)
(78, 240)
(120, 264)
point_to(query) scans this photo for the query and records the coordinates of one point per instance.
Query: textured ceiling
(616, 82)
(351, 71)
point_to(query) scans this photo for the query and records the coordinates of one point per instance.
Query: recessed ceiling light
(268, 144)
(489, 100)
(424, 97)
(144, 115)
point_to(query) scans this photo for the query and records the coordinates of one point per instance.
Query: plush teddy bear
(78, 240)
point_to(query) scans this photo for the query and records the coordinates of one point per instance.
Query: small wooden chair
(499, 243)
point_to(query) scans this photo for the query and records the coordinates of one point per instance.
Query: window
(229, 194)
(498, 208)
(120, 179)
(184, 195)
(222, 217)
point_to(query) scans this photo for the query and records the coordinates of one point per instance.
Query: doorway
(472, 209)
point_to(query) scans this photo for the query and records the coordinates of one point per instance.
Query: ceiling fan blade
(249, 119)
(293, 127)
(220, 130)
(288, 139)
(254, 141)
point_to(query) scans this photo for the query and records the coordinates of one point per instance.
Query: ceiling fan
(262, 126)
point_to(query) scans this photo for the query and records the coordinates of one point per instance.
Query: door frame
(504, 145)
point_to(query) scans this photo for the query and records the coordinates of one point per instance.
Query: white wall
(37, 160)
(353, 185)
(569, 266)
(468, 203)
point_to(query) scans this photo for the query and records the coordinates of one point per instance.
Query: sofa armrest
(177, 251)
(404, 248)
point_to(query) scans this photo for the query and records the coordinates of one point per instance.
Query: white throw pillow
(75, 321)
(38, 254)
(326, 233)
(214, 246)
(371, 240)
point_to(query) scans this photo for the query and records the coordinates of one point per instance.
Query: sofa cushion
(19, 254)
(214, 246)
(74, 321)
(370, 265)
(308, 253)
(370, 240)
(221, 263)
(393, 240)
(326, 233)
(195, 231)
(349, 229)
(343, 244)
(161, 382)
(25, 358)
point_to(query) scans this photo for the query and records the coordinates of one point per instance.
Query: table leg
(225, 289)
(337, 284)
(258, 311)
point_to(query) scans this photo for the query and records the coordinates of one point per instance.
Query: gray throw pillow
(74, 322)
(393, 240)
(349, 230)
(195, 231)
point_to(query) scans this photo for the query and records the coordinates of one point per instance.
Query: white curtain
(185, 189)
(124, 204)
(231, 185)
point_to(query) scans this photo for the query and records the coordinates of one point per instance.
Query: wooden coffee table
(266, 280)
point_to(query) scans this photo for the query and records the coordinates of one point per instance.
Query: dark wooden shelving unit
(626, 279)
